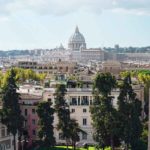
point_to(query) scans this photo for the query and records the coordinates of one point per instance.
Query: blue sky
(29, 24)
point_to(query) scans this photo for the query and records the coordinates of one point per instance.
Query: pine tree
(46, 118)
(103, 114)
(130, 110)
(11, 114)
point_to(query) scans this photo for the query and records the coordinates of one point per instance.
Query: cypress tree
(63, 113)
(129, 108)
(46, 118)
(11, 114)
(103, 114)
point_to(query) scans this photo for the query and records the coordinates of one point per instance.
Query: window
(33, 132)
(84, 136)
(61, 136)
(84, 110)
(84, 121)
(49, 99)
(74, 101)
(26, 112)
(72, 110)
(33, 111)
(85, 100)
(33, 121)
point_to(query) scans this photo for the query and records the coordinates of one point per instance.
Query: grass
(70, 148)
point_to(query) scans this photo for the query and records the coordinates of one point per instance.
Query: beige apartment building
(79, 100)
(49, 68)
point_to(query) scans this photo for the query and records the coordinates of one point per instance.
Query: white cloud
(62, 7)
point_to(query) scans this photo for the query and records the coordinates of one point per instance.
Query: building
(112, 66)
(77, 47)
(64, 67)
(6, 138)
(28, 105)
(79, 100)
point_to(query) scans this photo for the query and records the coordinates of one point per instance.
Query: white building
(6, 139)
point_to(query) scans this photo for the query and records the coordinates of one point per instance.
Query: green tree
(69, 127)
(11, 114)
(74, 132)
(46, 118)
(103, 114)
(129, 108)
(62, 110)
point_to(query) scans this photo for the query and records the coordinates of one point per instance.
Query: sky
(31, 24)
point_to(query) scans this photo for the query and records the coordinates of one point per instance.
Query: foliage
(11, 114)
(104, 83)
(62, 111)
(103, 114)
(46, 133)
(129, 108)
(21, 76)
(142, 76)
(74, 132)
(69, 127)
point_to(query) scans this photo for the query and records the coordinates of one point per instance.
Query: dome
(77, 37)
(76, 40)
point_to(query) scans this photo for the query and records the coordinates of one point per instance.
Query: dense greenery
(62, 110)
(129, 108)
(46, 129)
(114, 125)
(103, 114)
(22, 75)
(69, 127)
(143, 76)
(11, 114)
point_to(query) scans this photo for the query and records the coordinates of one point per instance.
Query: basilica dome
(76, 40)
(77, 36)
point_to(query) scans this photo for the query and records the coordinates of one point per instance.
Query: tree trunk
(14, 142)
(112, 142)
(66, 144)
(74, 143)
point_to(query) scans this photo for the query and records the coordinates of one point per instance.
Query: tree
(129, 108)
(103, 114)
(11, 114)
(74, 132)
(69, 127)
(62, 110)
(46, 129)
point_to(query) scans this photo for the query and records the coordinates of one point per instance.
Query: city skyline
(29, 24)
